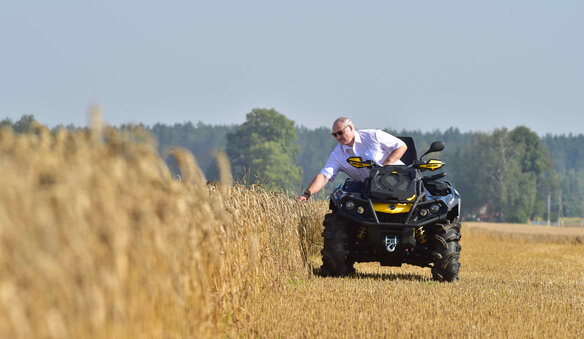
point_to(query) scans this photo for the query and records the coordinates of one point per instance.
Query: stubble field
(98, 240)
(510, 286)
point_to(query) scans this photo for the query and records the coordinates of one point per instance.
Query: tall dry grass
(98, 240)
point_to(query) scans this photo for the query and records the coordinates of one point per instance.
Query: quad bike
(398, 216)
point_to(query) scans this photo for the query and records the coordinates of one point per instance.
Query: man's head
(344, 131)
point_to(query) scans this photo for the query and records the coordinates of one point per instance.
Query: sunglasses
(339, 133)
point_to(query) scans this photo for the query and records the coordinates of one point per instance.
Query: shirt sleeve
(331, 169)
(388, 142)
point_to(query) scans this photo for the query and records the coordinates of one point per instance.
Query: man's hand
(305, 196)
(317, 184)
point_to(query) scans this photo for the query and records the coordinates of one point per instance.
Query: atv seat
(410, 155)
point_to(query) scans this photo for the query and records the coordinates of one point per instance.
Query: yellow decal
(432, 165)
(391, 208)
(357, 162)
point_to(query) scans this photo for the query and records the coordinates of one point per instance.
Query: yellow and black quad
(396, 216)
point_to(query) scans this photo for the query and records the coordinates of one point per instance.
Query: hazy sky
(476, 65)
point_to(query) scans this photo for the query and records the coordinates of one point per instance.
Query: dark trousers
(357, 186)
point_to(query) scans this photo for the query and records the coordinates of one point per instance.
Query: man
(369, 144)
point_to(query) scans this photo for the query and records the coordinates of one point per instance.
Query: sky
(427, 65)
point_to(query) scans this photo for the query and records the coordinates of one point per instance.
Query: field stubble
(509, 287)
(97, 240)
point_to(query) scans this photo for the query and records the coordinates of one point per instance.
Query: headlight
(360, 210)
(435, 208)
(423, 212)
(350, 205)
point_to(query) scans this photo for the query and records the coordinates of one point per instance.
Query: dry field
(509, 287)
(531, 233)
(97, 240)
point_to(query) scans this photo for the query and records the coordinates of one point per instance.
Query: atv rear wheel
(334, 252)
(446, 251)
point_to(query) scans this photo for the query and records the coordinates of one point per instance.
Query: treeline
(504, 175)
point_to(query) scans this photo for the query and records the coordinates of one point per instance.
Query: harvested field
(529, 232)
(509, 287)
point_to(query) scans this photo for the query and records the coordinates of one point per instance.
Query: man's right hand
(317, 184)
(305, 196)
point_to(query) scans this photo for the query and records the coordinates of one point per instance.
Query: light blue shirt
(370, 144)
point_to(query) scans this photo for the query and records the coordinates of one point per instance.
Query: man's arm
(395, 155)
(316, 185)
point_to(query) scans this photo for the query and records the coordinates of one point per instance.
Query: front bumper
(369, 217)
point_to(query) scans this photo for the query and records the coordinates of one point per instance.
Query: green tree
(265, 146)
(505, 170)
(568, 157)
(579, 176)
(572, 193)
(491, 166)
(200, 139)
(26, 124)
(533, 156)
(468, 166)
(536, 165)
(6, 122)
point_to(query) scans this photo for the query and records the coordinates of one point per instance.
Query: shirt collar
(357, 141)
(357, 137)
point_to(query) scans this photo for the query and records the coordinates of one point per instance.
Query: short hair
(344, 120)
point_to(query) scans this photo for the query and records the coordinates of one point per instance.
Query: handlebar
(433, 177)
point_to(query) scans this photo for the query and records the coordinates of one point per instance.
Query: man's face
(343, 132)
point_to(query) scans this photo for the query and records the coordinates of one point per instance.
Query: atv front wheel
(334, 252)
(446, 251)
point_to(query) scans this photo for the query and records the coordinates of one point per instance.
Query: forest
(503, 175)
